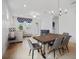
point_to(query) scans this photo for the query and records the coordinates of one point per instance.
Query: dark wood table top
(48, 38)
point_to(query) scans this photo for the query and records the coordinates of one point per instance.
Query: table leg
(44, 49)
(43, 52)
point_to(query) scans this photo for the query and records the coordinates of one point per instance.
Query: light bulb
(60, 9)
(65, 11)
(52, 12)
(60, 14)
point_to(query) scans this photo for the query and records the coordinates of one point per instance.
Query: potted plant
(20, 27)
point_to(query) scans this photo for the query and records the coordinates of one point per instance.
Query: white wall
(67, 23)
(5, 26)
(4, 36)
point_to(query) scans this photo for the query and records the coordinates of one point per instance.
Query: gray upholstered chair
(56, 46)
(33, 46)
(64, 33)
(50, 44)
(65, 42)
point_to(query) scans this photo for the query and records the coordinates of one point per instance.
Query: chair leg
(44, 49)
(32, 54)
(67, 48)
(54, 53)
(62, 49)
(48, 46)
(38, 50)
(41, 50)
(29, 51)
(59, 51)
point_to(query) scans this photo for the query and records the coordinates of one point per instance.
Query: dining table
(45, 39)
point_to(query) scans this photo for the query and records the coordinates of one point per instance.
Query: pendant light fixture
(60, 10)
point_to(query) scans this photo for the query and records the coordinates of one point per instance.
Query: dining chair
(64, 33)
(50, 44)
(56, 46)
(33, 46)
(65, 42)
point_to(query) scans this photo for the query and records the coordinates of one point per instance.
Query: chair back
(57, 43)
(30, 44)
(66, 34)
(66, 40)
(44, 32)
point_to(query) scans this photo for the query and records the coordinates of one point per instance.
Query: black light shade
(21, 20)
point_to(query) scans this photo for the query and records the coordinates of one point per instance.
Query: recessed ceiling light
(34, 16)
(25, 5)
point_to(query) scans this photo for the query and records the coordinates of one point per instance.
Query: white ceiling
(16, 7)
